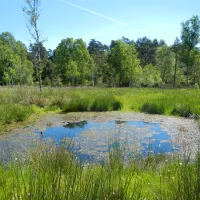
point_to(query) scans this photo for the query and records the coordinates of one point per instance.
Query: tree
(147, 50)
(33, 13)
(24, 68)
(190, 35)
(151, 76)
(74, 63)
(15, 68)
(98, 53)
(194, 65)
(176, 48)
(196, 71)
(127, 41)
(165, 60)
(124, 65)
(33, 52)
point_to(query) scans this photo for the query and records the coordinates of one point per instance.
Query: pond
(94, 140)
(94, 135)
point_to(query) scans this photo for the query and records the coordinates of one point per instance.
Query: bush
(153, 108)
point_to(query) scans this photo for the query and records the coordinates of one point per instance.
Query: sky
(103, 20)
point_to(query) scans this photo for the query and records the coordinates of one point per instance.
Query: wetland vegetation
(17, 104)
(49, 173)
(145, 75)
(55, 173)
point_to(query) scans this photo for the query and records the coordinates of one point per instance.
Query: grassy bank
(56, 174)
(17, 104)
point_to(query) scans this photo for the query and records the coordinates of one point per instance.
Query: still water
(92, 140)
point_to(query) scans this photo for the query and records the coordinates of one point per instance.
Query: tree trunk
(12, 82)
(40, 81)
(194, 75)
(175, 71)
(188, 58)
(39, 68)
(187, 81)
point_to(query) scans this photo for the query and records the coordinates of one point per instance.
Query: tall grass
(177, 102)
(10, 113)
(50, 173)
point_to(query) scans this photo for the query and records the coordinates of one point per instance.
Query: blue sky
(152, 18)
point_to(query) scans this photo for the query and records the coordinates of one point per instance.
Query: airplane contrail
(95, 13)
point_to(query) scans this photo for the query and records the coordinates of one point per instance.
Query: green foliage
(151, 76)
(146, 49)
(191, 32)
(74, 63)
(15, 68)
(99, 53)
(190, 35)
(124, 65)
(165, 60)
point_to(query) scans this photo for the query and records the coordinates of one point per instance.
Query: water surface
(93, 140)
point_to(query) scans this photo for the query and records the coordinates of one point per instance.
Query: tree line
(124, 63)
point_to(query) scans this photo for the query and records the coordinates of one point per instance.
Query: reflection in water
(73, 125)
(120, 122)
(93, 140)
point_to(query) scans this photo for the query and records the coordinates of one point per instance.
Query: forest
(124, 63)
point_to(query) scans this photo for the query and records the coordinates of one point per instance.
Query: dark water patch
(94, 140)
(73, 125)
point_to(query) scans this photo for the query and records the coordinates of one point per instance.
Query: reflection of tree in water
(73, 125)
(120, 122)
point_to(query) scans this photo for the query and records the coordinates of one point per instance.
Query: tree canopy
(124, 63)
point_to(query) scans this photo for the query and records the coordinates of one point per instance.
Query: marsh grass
(55, 173)
(10, 113)
(153, 108)
(106, 103)
(177, 102)
(78, 103)
(182, 110)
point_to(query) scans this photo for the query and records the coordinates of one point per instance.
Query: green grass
(10, 113)
(49, 173)
(153, 108)
(177, 102)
